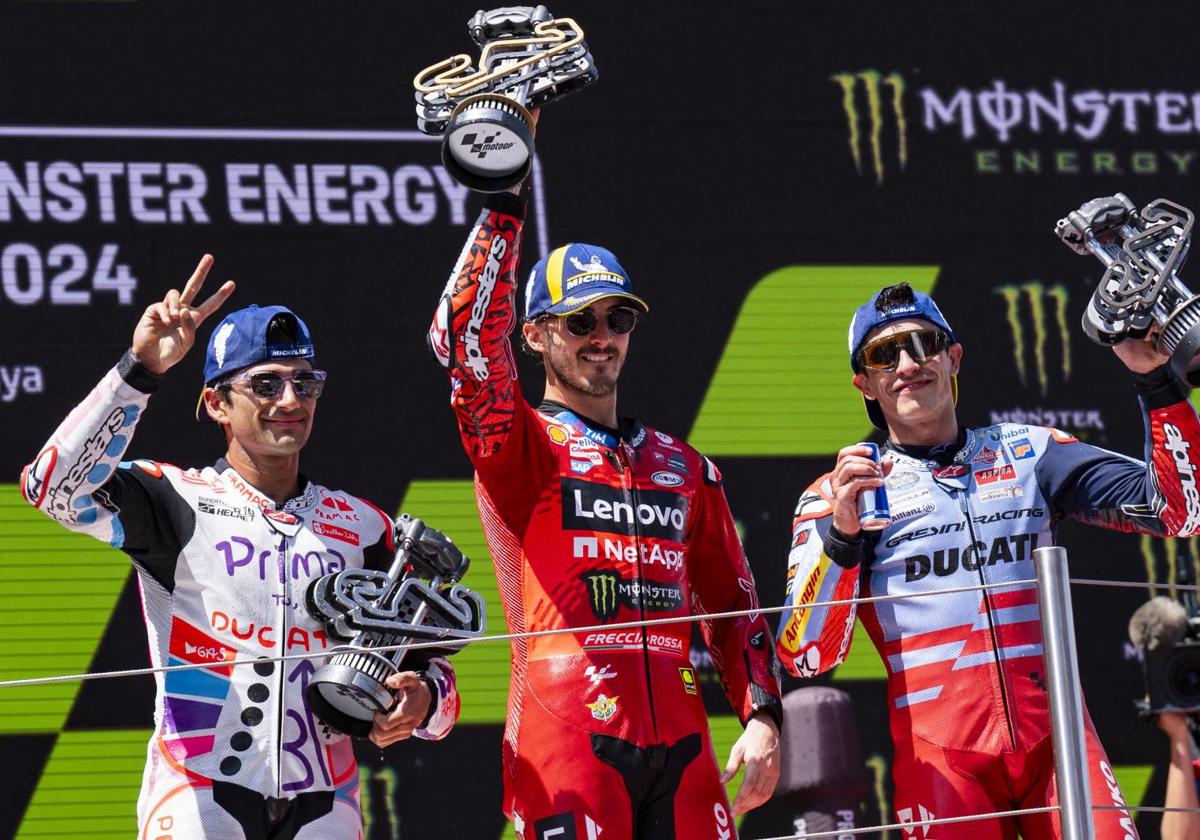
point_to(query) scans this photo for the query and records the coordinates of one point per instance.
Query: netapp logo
(476, 361)
(646, 513)
(1178, 447)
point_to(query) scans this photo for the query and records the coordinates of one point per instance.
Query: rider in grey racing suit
(223, 562)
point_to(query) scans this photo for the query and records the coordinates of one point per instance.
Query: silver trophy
(1141, 291)
(418, 599)
(528, 59)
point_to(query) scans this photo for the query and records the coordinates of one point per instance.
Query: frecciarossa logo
(648, 513)
(1179, 449)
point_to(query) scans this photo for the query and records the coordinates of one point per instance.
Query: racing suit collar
(628, 429)
(305, 499)
(942, 454)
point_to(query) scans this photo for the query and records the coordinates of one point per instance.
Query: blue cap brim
(574, 303)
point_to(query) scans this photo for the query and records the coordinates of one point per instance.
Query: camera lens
(1182, 675)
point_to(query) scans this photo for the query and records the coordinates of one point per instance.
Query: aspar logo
(1020, 126)
(994, 474)
(645, 513)
(946, 562)
(1178, 447)
(476, 362)
(666, 479)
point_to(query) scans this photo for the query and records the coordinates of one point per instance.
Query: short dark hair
(890, 297)
(283, 329)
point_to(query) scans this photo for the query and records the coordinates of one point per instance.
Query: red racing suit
(967, 702)
(589, 527)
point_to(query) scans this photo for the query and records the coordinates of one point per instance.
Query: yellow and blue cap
(572, 277)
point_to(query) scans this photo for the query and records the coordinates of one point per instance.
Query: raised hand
(167, 329)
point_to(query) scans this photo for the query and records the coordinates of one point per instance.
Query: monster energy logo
(1038, 299)
(1165, 559)
(608, 592)
(872, 83)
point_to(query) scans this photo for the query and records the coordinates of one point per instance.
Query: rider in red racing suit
(966, 694)
(590, 526)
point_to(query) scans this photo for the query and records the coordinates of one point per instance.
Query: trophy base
(488, 145)
(347, 699)
(1180, 339)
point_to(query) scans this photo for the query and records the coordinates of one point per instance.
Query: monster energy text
(874, 106)
(608, 592)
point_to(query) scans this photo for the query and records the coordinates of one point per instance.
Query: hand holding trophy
(417, 600)
(528, 58)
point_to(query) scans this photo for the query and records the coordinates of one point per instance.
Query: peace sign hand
(167, 329)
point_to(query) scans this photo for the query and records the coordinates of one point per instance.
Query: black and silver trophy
(417, 600)
(1140, 291)
(528, 59)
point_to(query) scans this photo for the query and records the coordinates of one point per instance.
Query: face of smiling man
(917, 398)
(266, 427)
(588, 365)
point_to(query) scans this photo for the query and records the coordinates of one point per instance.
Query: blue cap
(240, 340)
(572, 277)
(870, 316)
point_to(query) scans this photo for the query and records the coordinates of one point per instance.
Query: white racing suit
(222, 572)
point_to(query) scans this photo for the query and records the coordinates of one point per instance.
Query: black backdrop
(724, 143)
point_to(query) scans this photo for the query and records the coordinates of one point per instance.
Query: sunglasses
(884, 353)
(620, 319)
(307, 384)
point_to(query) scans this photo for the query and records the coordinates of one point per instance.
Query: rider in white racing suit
(223, 564)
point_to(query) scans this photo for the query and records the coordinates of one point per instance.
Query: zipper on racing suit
(621, 461)
(987, 604)
(285, 598)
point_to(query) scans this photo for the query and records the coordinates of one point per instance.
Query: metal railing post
(1066, 698)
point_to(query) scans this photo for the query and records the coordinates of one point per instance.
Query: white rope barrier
(908, 826)
(596, 628)
(504, 637)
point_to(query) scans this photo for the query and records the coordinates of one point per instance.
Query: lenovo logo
(646, 513)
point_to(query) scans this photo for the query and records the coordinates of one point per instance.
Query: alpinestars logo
(1178, 447)
(608, 592)
(487, 144)
(476, 362)
(872, 95)
(1044, 305)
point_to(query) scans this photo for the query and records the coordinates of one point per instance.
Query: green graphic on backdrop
(483, 669)
(787, 356)
(89, 787)
(862, 661)
(38, 637)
